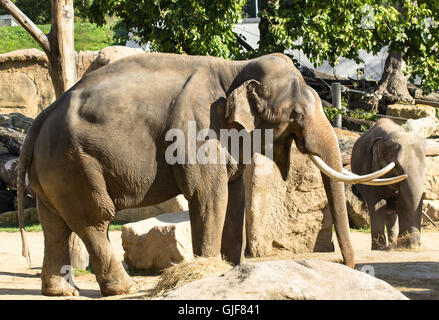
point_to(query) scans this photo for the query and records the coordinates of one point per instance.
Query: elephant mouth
(351, 178)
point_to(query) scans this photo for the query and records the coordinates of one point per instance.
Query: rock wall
(431, 188)
(291, 215)
(25, 84)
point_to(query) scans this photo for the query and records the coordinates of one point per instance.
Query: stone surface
(15, 121)
(431, 184)
(178, 203)
(10, 218)
(290, 215)
(431, 208)
(410, 111)
(158, 242)
(111, 54)
(426, 127)
(288, 280)
(357, 209)
(25, 84)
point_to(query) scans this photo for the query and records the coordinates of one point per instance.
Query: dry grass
(183, 273)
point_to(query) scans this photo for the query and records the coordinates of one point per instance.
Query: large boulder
(431, 184)
(431, 208)
(425, 127)
(290, 214)
(10, 218)
(178, 203)
(288, 280)
(25, 83)
(407, 111)
(357, 209)
(158, 242)
(111, 54)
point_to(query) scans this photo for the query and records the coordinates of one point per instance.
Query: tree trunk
(62, 64)
(79, 258)
(392, 87)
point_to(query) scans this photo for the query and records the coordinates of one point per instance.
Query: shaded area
(417, 280)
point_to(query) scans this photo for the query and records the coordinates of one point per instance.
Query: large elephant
(101, 147)
(397, 207)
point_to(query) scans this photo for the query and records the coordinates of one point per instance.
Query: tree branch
(30, 27)
(244, 44)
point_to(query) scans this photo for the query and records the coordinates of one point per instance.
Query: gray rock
(425, 127)
(357, 209)
(286, 215)
(288, 280)
(158, 242)
(179, 203)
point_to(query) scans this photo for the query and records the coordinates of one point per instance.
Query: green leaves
(198, 27)
(341, 28)
(323, 30)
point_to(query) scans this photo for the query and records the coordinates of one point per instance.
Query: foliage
(329, 30)
(197, 27)
(88, 36)
(332, 112)
(362, 114)
(324, 30)
(82, 8)
(40, 11)
(29, 228)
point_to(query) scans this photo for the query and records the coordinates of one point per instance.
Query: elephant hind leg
(56, 276)
(110, 274)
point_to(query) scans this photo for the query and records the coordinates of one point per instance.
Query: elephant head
(273, 95)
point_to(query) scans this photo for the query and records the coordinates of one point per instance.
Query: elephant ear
(243, 105)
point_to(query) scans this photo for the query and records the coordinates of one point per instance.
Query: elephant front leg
(392, 229)
(409, 225)
(233, 238)
(207, 210)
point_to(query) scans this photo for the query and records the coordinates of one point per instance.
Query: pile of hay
(183, 273)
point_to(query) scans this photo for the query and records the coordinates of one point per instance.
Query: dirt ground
(414, 272)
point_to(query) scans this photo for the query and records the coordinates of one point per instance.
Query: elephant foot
(379, 245)
(59, 291)
(113, 288)
(56, 292)
(409, 241)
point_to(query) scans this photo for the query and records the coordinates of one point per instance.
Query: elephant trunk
(323, 143)
(411, 192)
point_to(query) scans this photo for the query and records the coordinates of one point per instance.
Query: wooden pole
(336, 102)
(62, 63)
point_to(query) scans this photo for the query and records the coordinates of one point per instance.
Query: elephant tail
(24, 162)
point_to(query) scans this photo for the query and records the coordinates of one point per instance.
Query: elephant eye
(296, 115)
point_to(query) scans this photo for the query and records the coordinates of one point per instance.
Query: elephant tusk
(378, 182)
(353, 178)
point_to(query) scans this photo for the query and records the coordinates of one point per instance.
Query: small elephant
(397, 207)
(103, 146)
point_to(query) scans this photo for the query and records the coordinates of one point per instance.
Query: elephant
(102, 145)
(397, 207)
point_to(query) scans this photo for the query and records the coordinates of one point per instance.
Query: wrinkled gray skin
(101, 148)
(397, 206)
